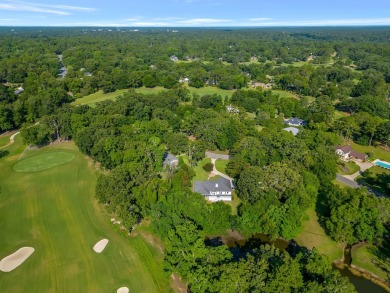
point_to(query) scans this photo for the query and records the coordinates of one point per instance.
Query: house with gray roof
(215, 190)
(295, 122)
(170, 161)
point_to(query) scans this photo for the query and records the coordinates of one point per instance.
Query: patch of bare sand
(122, 290)
(14, 260)
(99, 246)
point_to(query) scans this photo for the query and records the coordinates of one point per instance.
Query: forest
(278, 176)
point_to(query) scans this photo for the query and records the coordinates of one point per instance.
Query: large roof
(293, 130)
(205, 187)
(346, 149)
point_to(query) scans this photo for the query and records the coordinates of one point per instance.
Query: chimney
(216, 185)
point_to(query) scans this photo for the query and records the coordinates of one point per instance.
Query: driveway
(347, 181)
(217, 156)
(216, 172)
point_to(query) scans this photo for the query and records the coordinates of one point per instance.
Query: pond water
(236, 243)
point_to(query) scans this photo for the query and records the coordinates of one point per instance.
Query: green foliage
(208, 167)
(353, 215)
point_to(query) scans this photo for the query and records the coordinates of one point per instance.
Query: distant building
(185, 79)
(232, 110)
(174, 58)
(346, 152)
(19, 90)
(293, 130)
(218, 190)
(295, 122)
(170, 161)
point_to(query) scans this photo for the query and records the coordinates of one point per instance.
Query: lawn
(201, 174)
(99, 96)
(347, 168)
(284, 94)
(55, 212)
(221, 165)
(339, 114)
(377, 152)
(366, 257)
(313, 235)
(4, 139)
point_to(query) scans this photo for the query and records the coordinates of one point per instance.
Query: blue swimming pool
(383, 164)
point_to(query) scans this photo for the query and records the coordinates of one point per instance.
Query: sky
(194, 13)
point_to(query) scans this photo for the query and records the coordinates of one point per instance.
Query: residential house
(174, 58)
(170, 161)
(218, 190)
(232, 110)
(19, 90)
(293, 130)
(346, 152)
(295, 122)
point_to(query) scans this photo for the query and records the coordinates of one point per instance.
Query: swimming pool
(383, 164)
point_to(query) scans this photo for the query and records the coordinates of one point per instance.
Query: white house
(346, 152)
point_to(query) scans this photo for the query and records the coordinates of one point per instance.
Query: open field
(4, 139)
(54, 211)
(313, 235)
(363, 256)
(377, 152)
(284, 94)
(99, 96)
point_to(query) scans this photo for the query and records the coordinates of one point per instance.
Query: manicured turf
(367, 257)
(348, 168)
(377, 152)
(314, 235)
(55, 212)
(201, 174)
(4, 140)
(285, 94)
(221, 165)
(99, 96)
(43, 161)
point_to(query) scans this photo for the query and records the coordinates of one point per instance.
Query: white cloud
(259, 19)
(44, 8)
(326, 22)
(203, 21)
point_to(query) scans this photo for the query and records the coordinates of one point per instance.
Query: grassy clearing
(201, 174)
(43, 161)
(367, 257)
(221, 165)
(4, 139)
(313, 235)
(285, 94)
(377, 152)
(339, 114)
(99, 96)
(55, 212)
(347, 168)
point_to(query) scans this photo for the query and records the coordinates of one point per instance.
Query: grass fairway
(43, 161)
(55, 212)
(366, 256)
(313, 235)
(4, 140)
(99, 96)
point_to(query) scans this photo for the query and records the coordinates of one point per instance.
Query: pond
(237, 245)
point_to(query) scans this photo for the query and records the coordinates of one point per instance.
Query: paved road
(217, 156)
(347, 181)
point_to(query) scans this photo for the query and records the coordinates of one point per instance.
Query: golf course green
(55, 212)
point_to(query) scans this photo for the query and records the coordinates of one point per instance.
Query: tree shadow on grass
(3, 153)
(381, 254)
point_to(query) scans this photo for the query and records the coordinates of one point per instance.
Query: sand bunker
(99, 247)
(14, 260)
(123, 290)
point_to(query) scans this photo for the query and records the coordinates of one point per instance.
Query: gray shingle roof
(170, 159)
(205, 187)
(293, 130)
